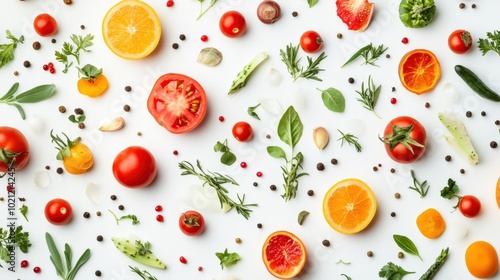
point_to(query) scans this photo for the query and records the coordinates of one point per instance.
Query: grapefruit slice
(419, 71)
(284, 254)
(357, 14)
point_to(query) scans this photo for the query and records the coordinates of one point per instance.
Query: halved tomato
(177, 102)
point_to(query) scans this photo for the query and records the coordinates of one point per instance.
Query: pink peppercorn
(404, 40)
(204, 38)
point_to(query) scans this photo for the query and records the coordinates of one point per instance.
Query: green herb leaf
(55, 257)
(450, 190)
(227, 259)
(392, 271)
(36, 94)
(302, 215)
(251, 111)
(145, 275)
(66, 272)
(7, 50)
(357, 54)
(289, 57)
(24, 211)
(80, 44)
(89, 72)
(406, 245)
(276, 152)
(311, 3)
(11, 92)
(342, 262)
(220, 147)
(491, 43)
(333, 99)
(290, 127)
(421, 187)
(228, 158)
(369, 96)
(350, 139)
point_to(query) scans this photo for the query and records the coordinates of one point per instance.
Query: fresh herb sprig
(406, 245)
(369, 53)
(24, 211)
(491, 43)
(311, 3)
(64, 268)
(13, 238)
(34, 95)
(251, 111)
(347, 277)
(450, 191)
(227, 158)
(144, 274)
(289, 131)
(216, 180)
(78, 44)
(392, 271)
(369, 95)
(350, 139)
(134, 218)
(227, 259)
(202, 12)
(7, 50)
(421, 187)
(292, 62)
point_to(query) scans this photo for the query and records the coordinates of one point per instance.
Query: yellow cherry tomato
(77, 157)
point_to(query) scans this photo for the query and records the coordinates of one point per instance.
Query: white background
(175, 193)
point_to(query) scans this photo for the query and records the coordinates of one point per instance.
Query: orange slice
(349, 206)
(131, 29)
(284, 254)
(419, 71)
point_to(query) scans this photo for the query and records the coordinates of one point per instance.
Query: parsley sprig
(292, 62)
(491, 43)
(79, 44)
(369, 53)
(369, 95)
(216, 180)
(227, 259)
(7, 50)
(392, 271)
(13, 238)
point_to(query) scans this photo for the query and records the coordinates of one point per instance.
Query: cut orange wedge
(498, 192)
(419, 71)
(284, 254)
(131, 29)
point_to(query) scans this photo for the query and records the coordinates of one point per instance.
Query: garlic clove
(210, 56)
(112, 125)
(320, 137)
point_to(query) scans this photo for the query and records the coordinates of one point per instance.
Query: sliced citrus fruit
(498, 192)
(356, 14)
(284, 254)
(349, 206)
(131, 29)
(419, 71)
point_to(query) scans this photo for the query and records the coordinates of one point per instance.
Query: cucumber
(473, 81)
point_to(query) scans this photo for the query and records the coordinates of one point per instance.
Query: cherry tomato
(134, 167)
(242, 131)
(178, 103)
(15, 147)
(469, 206)
(405, 139)
(45, 25)
(191, 223)
(311, 41)
(232, 24)
(460, 41)
(58, 211)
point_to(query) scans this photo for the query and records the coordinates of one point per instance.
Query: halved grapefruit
(284, 254)
(357, 14)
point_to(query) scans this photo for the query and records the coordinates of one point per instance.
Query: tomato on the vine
(232, 24)
(58, 211)
(191, 223)
(45, 25)
(405, 139)
(14, 149)
(460, 41)
(311, 41)
(469, 206)
(134, 167)
(242, 131)
(177, 102)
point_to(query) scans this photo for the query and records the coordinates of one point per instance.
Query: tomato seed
(221, 118)
(158, 208)
(393, 100)
(183, 260)
(37, 269)
(204, 38)
(259, 174)
(405, 40)
(170, 3)
(159, 218)
(24, 263)
(243, 164)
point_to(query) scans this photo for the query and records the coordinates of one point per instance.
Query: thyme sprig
(369, 95)
(350, 139)
(292, 62)
(216, 180)
(421, 187)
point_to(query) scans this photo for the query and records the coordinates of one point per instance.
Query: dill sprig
(421, 187)
(292, 62)
(350, 139)
(369, 95)
(216, 180)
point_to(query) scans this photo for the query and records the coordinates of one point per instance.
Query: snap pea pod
(433, 269)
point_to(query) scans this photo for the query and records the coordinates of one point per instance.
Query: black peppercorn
(310, 192)
(483, 113)
(175, 46)
(427, 104)
(59, 170)
(339, 35)
(294, 14)
(393, 170)
(79, 111)
(97, 272)
(86, 215)
(462, 171)
(81, 125)
(493, 144)
(182, 37)
(113, 197)
(121, 207)
(100, 238)
(259, 225)
(393, 214)
(126, 108)
(334, 161)
(350, 80)
(27, 64)
(255, 184)
(320, 166)
(468, 114)
(36, 45)
(461, 6)
(447, 158)
(326, 243)
(128, 88)
(62, 109)
(272, 187)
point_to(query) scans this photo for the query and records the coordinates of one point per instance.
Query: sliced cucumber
(129, 248)
(459, 141)
(243, 76)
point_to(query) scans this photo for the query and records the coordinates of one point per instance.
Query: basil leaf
(36, 94)
(333, 99)
(406, 245)
(276, 152)
(312, 3)
(290, 127)
(228, 158)
(11, 91)
(219, 147)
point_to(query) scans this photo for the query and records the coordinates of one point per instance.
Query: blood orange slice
(284, 254)
(419, 71)
(357, 14)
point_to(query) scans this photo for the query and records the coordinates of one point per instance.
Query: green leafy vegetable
(138, 251)
(216, 180)
(77, 45)
(34, 95)
(289, 131)
(416, 13)
(350, 139)
(406, 245)
(369, 53)
(434, 268)
(227, 259)
(289, 57)
(311, 3)
(333, 99)
(421, 187)
(9, 239)
(24, 211)
(459, 139)
(450, 191)
(64, 268)
(392, 271)
(369, 95)
(251, 111)
(243, 76)
(227, 158)
(134, 218)
(7, 50)
(142, 273)
(302, 215)
(491, 43)
(202, 12)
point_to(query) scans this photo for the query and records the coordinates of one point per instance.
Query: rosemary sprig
(144, 274)
(292, 62)
(216, 180)
(369, 53)
(369, 95)
(421, 188)
(350, 139)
